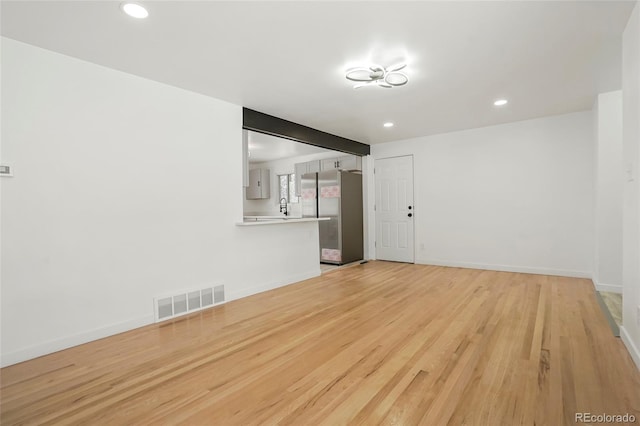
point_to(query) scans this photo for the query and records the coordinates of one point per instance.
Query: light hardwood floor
(380, 343)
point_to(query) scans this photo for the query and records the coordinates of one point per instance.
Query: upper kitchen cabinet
(350, 162)
(259, 184)
(346, 162)
(304, 168)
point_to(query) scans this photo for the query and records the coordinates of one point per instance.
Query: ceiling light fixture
(389, 124)
(500, 102)
(375, 75)
(134, 9)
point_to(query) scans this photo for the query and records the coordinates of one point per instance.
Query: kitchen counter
(271, 217)
(276, 220)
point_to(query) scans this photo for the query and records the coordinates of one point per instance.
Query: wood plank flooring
(380, 343)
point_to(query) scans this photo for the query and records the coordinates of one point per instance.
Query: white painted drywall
(124, 189)
(630, 331)
(607, 117)
(514, 197)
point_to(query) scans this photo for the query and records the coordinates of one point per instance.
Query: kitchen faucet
(283, 206)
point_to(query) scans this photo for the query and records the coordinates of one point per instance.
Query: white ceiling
(268, 148)
(288, 58)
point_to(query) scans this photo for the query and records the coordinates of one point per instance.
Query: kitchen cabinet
(329, 164)
(304, 168)
(350, 162)
(345, 162)
(259, 184)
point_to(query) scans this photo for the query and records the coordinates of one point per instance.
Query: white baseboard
(507, 268)
(56, 345)
(631, 347)
(611, 288)
(238, 294)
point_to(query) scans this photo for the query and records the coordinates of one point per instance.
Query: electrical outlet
(421, 246)
(638, 316)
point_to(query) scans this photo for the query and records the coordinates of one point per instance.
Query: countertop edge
(281, 221)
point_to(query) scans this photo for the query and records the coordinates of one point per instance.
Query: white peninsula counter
(276, 220)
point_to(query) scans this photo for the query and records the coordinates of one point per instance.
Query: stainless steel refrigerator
(336, 195)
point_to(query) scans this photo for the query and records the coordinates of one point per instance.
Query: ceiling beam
(274, 126)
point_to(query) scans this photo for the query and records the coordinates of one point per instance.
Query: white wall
(124, 189)
(271, 206)
(607, 268)
(630, 332)
(515, 196)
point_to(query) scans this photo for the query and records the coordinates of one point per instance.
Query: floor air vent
(190, 301)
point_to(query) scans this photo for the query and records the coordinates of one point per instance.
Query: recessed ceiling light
(389, 124)
(134, 9)
(500, 102)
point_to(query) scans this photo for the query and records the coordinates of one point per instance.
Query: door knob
(410, 215)
(409, 207)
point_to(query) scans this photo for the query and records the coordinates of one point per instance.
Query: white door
(394, 209)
